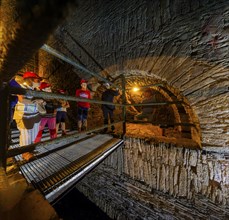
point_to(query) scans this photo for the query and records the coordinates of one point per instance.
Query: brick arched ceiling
(182, 43)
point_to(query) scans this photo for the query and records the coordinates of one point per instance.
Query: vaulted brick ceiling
(183, 44)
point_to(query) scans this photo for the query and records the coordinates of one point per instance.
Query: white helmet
(107, 85)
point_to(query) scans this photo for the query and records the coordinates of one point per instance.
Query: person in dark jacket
(14, 82)
(108, 96)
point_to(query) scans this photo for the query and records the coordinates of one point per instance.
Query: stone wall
(146, 180)
(183, 43)
(24, 27)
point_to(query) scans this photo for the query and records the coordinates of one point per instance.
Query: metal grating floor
(57, 172)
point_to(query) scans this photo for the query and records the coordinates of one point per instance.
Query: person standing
(49, 117)
(61, 115)
(16, 81)
(26, 113)
(83, 106)
(108, 110)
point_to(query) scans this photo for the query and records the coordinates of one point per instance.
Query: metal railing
(61, 56)
(6, 91)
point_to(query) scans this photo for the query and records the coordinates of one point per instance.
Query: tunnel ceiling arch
(188, 52)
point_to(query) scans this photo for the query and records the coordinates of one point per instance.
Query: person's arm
(103, 96)
(56, 103)
(89, 95)
(77, 93)
(66, 104)
(115, 92)
(20, 98)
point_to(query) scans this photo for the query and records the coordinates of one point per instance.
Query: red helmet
(44, 85)
(30, 75)
(83, 81)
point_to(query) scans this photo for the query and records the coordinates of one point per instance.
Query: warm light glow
(135, 89)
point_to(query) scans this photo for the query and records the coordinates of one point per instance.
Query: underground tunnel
(168, 58)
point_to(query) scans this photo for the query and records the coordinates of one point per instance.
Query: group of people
(33, 114)
(108, 96)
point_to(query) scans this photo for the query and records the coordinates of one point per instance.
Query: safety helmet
(30, 75)
(44, 85)
(83, 81)
(107, 85)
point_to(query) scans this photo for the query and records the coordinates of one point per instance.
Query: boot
(84, 125)
(79, 126)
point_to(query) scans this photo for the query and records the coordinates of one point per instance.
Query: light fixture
(135, 89)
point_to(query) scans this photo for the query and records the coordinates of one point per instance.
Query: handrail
(164, 124)
(155, 103)
(49, 95)
(66, 139)
(61, 56)
(40, 94)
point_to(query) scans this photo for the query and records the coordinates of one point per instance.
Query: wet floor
(75, 206)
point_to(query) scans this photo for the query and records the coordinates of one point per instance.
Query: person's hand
(38, 101)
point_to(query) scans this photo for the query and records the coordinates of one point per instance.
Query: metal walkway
(55, 171)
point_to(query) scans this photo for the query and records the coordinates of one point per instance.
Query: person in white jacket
(26, 113)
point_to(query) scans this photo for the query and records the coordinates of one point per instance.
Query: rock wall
(184, 43)
(146, 180)
(24, 27)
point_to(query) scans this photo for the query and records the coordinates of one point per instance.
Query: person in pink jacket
(49, 117)
(83, 106)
